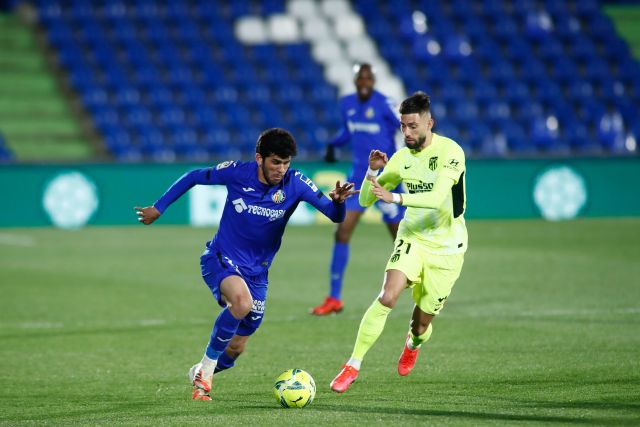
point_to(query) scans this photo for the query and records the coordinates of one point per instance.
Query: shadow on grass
(474, 416)
(143, 412)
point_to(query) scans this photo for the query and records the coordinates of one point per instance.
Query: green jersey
(435, 198)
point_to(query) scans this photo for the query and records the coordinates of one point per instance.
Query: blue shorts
(215, 267)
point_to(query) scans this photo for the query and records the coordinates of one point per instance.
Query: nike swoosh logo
(255, 317)
(223, 340)
(247, 189)
(407, 167)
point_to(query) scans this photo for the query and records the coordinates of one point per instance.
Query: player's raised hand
(147, 215)
(342, 192)
(379, 191)
(377, 159)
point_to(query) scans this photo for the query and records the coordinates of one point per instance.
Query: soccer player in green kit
(429, 250)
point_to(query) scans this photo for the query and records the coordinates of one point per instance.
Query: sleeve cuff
(371, 172)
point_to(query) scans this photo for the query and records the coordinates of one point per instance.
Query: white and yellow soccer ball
(294, 388)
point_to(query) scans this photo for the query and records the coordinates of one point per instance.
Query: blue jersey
(255, 214)
(368, 125)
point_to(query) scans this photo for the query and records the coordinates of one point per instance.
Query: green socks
(416, 342)
(370, 329)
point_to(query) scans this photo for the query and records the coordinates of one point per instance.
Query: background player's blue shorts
(391, 212)
(215, 267)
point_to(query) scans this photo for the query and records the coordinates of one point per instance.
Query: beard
(416, 145)
(265, 173)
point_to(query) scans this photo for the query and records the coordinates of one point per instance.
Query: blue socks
(224, 362)
(339, 262)
(224, 329)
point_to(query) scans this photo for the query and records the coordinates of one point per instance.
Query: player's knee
(387, 299)
(240, 307)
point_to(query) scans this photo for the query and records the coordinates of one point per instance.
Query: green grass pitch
(99, 327)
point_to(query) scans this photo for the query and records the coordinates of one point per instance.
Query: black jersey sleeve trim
(457, 196)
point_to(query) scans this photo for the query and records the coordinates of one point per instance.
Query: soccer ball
(294, 388)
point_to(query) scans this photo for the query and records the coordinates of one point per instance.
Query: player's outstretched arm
(342, 192)
(333, 206)
(147, 215)
(380, 192)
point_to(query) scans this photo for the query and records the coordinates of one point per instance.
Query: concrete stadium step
(20, 106)
(37, 124)
(10, 62)
(66, 148)
(35, 118)
(28, 82)
(626, 17)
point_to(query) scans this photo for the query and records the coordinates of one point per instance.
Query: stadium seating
(198, 79)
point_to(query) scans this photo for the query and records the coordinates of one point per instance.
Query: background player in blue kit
(262, 196)
(370, 123)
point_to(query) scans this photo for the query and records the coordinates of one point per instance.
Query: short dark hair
(419, 103)
(364, 65)
(276, 141)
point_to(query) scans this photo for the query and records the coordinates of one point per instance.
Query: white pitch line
(81, 325)
(16, 240)
(150, 323)
(40, 325)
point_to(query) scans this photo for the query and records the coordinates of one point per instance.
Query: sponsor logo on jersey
(225, 164)
(419, 187)
(278, 196)
(272, 214)
(433, 163)
(365, 127)
(452, 164)
(239, 205)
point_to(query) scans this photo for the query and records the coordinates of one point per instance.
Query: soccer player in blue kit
(262, 196)
(370, 123)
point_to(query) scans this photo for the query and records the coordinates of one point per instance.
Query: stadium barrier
(74, 195)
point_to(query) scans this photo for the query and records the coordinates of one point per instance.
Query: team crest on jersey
(433, 163)
(369, 113)
(224, 164)
(278, 196)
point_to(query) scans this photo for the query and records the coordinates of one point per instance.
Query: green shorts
(430, 276)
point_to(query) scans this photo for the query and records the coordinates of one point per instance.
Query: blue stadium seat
(170, 80)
